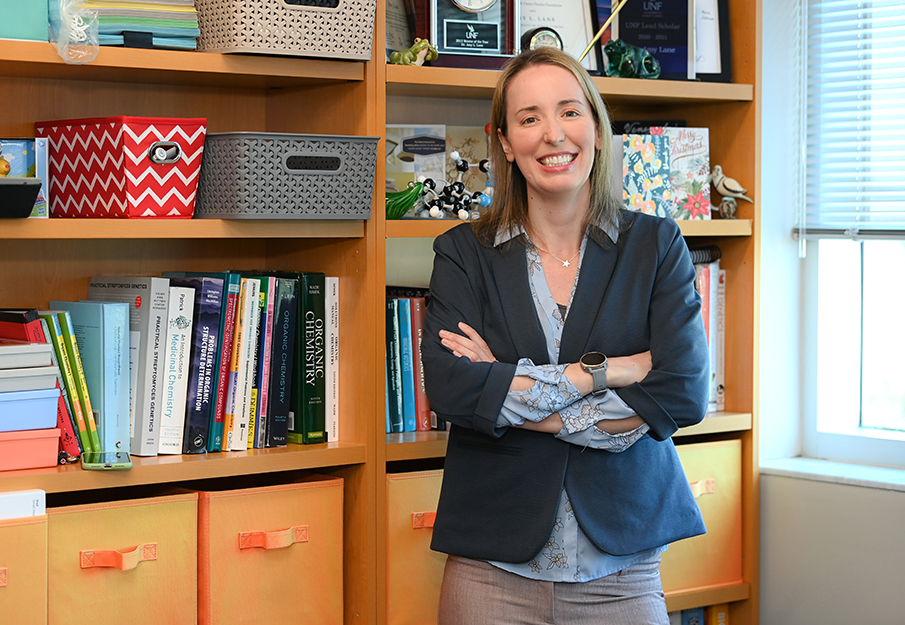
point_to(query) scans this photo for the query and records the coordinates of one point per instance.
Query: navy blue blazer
(501, 485)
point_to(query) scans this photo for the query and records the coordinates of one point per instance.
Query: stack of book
(28, 405)
(710, 283)
(148, 24)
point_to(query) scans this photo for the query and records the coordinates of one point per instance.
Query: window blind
(854, 127)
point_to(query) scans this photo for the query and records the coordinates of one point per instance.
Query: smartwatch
(595, 364)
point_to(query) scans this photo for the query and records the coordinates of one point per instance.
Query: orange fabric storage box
(272, 554)
(715, 558)
(414, 572)
(29, 449)
(132, 561)
(23, 571)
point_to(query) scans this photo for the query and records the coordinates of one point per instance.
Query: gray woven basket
(336, 29)
(249, 175)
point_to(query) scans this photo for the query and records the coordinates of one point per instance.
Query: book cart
(42, 260)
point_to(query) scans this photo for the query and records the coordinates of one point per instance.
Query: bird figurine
(728, 187)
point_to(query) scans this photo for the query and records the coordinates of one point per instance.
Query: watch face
(474, 6)
(593, 359)
(540, 38)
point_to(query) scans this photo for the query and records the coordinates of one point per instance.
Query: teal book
(282, 360)
(102, 332)
(407, 364)
(309, 388)
(394, 367)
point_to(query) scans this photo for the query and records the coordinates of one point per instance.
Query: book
(20, 504)
(331, 284)
(21, 324)
(717, 614)
(307, 420)
(247, 354)
(394, 367)
(78, 373)
(664, 28)
(713, 272)
(72, 398)
(645, 174)
(720, 339)
(689, 171)
(260, 371)
(422, 405)
(220, 386)
(148, 299)
(282, 359)
(102, 333)
(176, 366)
(203, 373)
(28, 379)
(42, 171)
(406, 363)
(235, 427)
(693, 616)
(14, 354)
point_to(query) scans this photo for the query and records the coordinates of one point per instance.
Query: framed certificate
(572, 20)
(469, 33)
(666, 29)
(713, 62)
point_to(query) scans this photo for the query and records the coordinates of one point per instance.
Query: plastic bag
(73, 28)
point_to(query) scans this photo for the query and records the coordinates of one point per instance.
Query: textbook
(176, 363)
(148, 299)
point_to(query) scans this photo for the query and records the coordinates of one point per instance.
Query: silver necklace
(565, 263)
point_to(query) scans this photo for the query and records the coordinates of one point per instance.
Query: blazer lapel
(586, 309)
(510, 270)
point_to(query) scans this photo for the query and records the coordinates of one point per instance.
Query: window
(853, 133)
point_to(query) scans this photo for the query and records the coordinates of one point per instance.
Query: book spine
(713, 270)
(72, 350)
(314, 364)
(422, 405)
(56, 333)
(267, 321)
(246, 363)
(231, 286)
(176, 369)
(255, 364)
(407, 364)
(720, 338)
(235, 389)
(21, 325)
(70, 443)
(202, 370)
(394, 368)
(717, 614)
(332, 395)
(283, 361)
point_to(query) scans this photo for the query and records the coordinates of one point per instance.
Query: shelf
(35, 229)
(416, 445)
(429, 228)
(698, 597)
(169, 469)
(717, 423)
(445, 82)
(32, 59)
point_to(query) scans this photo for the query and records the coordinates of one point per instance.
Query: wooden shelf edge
(169, 469)
(429, 228)
(477, 83)
(35, 229)
(699, 597)
(416, 445)
(718, 422)
(35, 59)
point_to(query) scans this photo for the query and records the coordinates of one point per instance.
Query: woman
(564, 345)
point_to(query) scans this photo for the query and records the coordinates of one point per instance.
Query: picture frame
(481, 39)
(601, 10)
(666, 29)
(574, 22)
(713, 37)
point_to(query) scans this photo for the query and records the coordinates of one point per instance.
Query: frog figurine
(628, 61)
(421, 51)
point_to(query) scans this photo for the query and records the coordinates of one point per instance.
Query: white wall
(831, 553)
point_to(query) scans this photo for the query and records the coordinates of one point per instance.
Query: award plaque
(470, 33)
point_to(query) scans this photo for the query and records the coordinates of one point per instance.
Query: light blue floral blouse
(568, 555)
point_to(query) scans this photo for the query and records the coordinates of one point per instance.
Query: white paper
(707, 38)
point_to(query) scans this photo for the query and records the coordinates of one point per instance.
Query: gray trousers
(477, 593)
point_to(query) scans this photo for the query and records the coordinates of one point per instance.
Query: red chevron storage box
(141, 167)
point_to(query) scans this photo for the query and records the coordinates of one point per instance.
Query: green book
(309, 389)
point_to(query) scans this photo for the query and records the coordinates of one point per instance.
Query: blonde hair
(510, 200)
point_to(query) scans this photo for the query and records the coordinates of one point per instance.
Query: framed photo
(601, 10)
(573, 21)
(469, 33)
(713, 61)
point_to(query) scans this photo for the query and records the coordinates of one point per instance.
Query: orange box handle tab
(122, 560)
(273, 540)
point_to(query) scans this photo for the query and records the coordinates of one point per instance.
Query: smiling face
(550, 132)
